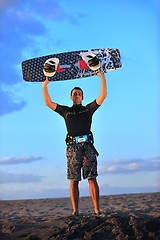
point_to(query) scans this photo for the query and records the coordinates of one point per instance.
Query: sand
(125, 216)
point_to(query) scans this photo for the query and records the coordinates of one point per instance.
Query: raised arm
(46, 96)
(103, 89)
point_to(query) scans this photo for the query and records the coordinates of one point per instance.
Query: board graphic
(71, 65)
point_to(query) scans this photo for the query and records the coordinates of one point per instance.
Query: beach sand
(125, 216)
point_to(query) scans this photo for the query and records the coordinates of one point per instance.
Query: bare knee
(92, 181)
(74, 184)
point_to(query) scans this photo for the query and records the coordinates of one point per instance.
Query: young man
(80, 151)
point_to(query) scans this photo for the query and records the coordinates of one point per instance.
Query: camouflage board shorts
(81, 156)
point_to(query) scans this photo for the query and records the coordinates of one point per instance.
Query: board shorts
(81, 158)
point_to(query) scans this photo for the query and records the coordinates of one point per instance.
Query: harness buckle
(81, 139)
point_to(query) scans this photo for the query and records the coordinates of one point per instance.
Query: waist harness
(88, 138)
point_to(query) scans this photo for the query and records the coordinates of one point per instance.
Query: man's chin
(77, 103)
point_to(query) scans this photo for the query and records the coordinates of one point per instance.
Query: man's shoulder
(93, 106)
(93, 103)
(61, 108)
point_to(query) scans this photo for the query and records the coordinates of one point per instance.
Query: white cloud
(32, 193)
(17, 160)
(4, 5)
(25, 20)
(109, 190)
(130, 165)
(9, 178)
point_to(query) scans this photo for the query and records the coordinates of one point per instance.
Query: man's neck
(77, 105)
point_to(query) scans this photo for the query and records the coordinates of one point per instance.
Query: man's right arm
(46, 96)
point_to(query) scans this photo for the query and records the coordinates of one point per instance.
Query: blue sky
(126, 127)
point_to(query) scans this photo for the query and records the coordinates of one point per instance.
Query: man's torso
(78, 118)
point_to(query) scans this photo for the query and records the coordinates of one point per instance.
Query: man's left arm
(103, 88)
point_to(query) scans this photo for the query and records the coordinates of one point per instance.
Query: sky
(126, 127)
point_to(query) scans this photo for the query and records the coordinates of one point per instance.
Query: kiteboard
(71, 65)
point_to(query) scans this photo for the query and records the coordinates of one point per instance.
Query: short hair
(78, 88)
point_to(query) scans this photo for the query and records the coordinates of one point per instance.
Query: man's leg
(74, 195)
(94, 191)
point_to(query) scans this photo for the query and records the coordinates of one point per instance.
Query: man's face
(77, 96)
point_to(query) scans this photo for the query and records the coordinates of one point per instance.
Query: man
(80, 151)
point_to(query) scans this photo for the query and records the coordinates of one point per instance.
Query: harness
(82, 139)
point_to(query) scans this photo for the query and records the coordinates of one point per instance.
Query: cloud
(22, 23)
(16, 31)
(128, 166)
(18, 160)
(32, 193)
(9, 102)
(9, 178)
(7, 4)
(109, 190)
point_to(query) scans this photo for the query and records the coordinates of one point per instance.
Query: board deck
(71, 65)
